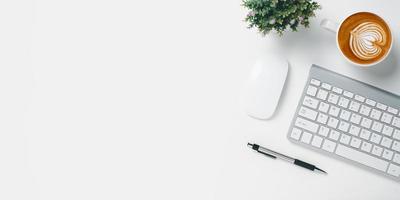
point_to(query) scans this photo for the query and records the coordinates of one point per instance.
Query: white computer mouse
(264, 86)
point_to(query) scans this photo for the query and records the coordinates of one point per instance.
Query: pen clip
(269, 155)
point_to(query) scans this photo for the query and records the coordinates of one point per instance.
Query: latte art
(367, 40)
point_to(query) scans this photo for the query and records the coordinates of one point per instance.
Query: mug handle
(329, 25)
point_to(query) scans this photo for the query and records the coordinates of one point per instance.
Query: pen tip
(321, 170)
(249, 145)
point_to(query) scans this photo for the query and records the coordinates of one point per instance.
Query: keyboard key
(315, 82)
(376, 126)
(326, 86)
(345, 139)
(370, 102)
(334, 111)
(365, 146)
(343, 102)
(323, 131)
(365, 134)
(323, 107)
(308, 113)
(333, 98)
(334, 135)
(394, 170)
(386, 142)
(355, 118)
(348, 94)
(365, 110)
(359, 98)
(311, 90)
(329, 146)
(375, 114)
(306, 137)
(387, 154)
(345, 115)
(396, 146)
(387, 130)
(296, 133)
(361, 157)
(316, 141)
(396, 158)
(343, 126)
(354, 130)
(337, 90)
(387, 118)
(354, 106)
(306, 125)
(310, 102)
(375, 138)
(366, 122)
(393, 110)
(396, 134)
(332, 122)
(396, 122)
(381, 106)
(355, 142)
(322, 94)
(376, 150)
(322, 118)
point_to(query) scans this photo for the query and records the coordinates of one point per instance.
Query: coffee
(364, 38)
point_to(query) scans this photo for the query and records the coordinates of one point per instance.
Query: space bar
(362, 158)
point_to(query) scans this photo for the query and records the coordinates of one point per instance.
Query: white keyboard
(350, 120)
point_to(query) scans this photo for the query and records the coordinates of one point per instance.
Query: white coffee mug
(334, 27)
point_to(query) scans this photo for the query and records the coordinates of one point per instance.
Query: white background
(141, 100)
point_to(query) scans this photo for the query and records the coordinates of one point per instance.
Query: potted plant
(279, 15)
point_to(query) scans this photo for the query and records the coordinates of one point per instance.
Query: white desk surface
(141, 100)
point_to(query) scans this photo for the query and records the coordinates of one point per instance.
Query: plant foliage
(278, 15)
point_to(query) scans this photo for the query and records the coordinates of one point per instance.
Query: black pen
(274, 154)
